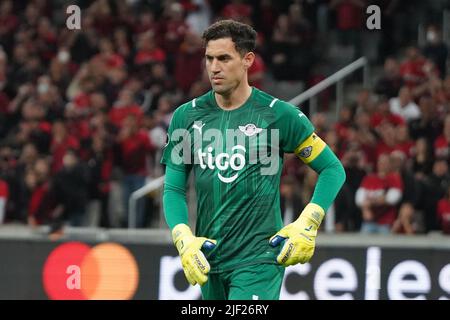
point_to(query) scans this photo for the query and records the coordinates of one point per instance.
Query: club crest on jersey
(306, 152)
(250, 129)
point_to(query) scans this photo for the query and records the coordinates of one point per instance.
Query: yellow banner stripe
(310, 148)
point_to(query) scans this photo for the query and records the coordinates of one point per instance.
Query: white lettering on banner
(169, 267)
(324, 283)
(398, 285)
(444, 281)
(373, 273)
(334, 278)
(300, 269)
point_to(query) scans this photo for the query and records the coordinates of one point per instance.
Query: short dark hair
(243, 35)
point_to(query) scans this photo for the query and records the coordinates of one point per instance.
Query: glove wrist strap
(312, 214)
(179, 232)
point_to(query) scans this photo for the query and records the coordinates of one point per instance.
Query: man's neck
(235, 99)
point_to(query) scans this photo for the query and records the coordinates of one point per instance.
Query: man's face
(225, 66)
(383, 164)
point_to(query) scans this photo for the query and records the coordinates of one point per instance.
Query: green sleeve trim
(331, 178)
(174, 197)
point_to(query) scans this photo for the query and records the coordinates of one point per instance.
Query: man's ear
(249, 57)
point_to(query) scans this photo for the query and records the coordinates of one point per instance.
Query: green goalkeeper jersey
(237, 157)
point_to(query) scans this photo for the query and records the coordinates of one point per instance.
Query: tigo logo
(75, 271)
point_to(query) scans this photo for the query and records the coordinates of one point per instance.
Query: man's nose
(215, 68)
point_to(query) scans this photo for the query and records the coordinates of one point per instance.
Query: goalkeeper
(239, 249)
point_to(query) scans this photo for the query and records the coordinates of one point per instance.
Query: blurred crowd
(394, 142)
(84, 113)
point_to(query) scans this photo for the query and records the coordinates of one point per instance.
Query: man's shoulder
(196, 102)
(278, 105)
(266, 100)
(202, 101)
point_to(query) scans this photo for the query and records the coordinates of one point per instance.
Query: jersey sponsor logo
(250, 129)
(213, 149)
(306, 152)
(223, 161)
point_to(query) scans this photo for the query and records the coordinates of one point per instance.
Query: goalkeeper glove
(194, 263)
(301, 236)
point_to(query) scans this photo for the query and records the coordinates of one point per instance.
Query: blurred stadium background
(84, 114)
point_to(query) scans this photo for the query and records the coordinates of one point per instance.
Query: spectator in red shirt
(34, 127)
(378, 196)
(443, 213)
(349, 21)
(8, 20)
(384, 114)
(344, 123)
(365, 136)
(104, 20)
(237, 10)
(387, 143)
(124, 106)
(61, 142)
(404, 144)
(188, 63)
(148, 50)
(174, 29)
(412, 69)
(134, 145)
(46, 41)
(108, 56)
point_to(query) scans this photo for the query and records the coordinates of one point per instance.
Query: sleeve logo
(306, 152)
